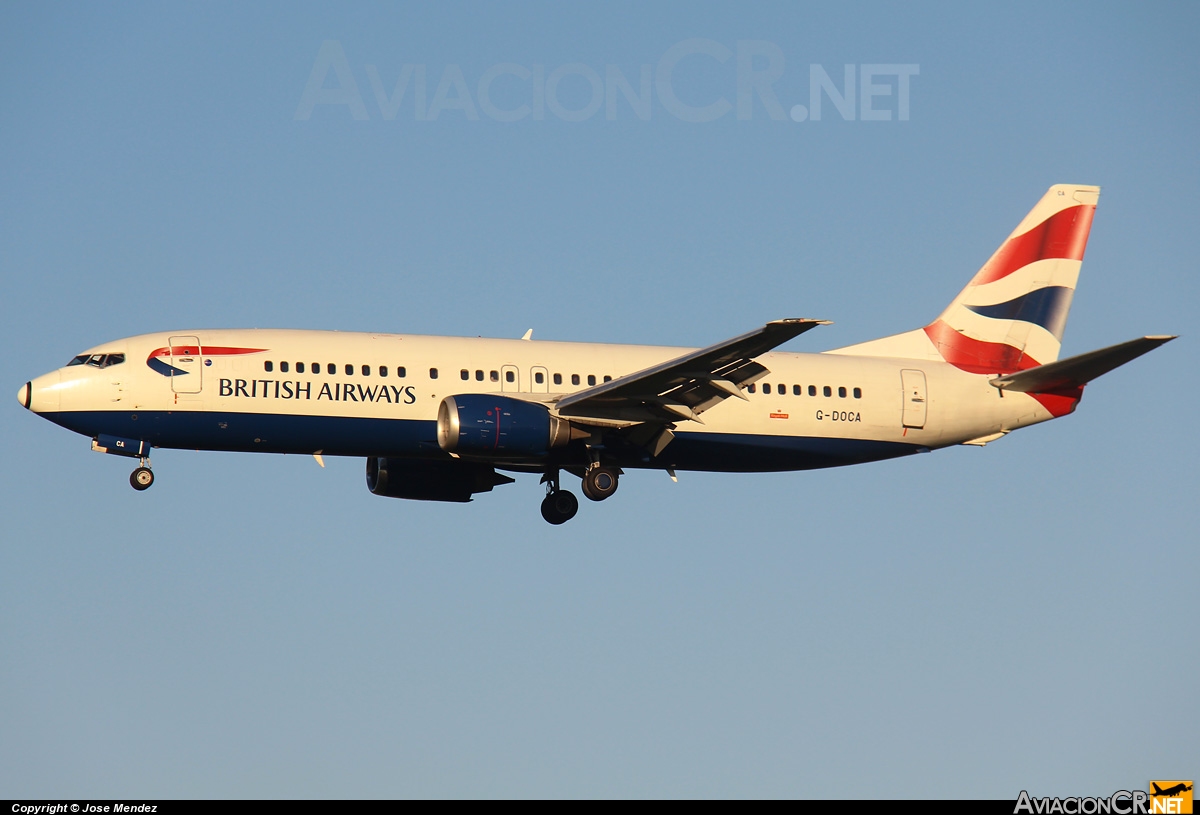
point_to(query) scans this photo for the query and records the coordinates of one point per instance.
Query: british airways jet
(437, 417)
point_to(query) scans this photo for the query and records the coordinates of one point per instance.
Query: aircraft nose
(43, 394)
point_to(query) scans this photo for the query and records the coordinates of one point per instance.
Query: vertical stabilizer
(1012, 314)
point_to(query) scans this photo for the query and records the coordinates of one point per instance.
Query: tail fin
(1011, 315)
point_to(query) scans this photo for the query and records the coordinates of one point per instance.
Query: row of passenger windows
(538, 376)
(798, 390)
(332, 369)
(510, 376)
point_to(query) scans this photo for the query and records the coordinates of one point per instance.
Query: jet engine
(492, 425)
(430, 480)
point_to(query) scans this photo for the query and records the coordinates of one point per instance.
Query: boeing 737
(437, 417)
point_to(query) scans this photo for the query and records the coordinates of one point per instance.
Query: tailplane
(1012, 314)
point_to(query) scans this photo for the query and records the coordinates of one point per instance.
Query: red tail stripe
(976, 356)
(1063, 235)
(1060, 403)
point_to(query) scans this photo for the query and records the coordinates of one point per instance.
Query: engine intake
(500, 426)
(431, 480)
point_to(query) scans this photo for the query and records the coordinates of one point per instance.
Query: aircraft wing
(684, 387)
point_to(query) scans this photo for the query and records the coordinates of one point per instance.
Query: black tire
(599, 483)
(141, 478)
(559, 507)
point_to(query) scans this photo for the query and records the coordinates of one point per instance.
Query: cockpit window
(97, 360)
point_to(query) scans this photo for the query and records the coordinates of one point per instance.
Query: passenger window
(766, 388)
(539, 377)
(797, 390)
(316, 367)
(574, 379)
(349, 369)
(494, 376)
(858, 393)
(331, 369)
(591, 379)
(464, 374)
(433, 373)
(401, 371)
(366, 369)
(479, 376)
(268, 366)
(509, 376)
(828, 391)
(558, 379)
(842, 393)
(812, 390)
(383, 370)
(299, 367)
(607, 378)
(751, 388)
(283, 367)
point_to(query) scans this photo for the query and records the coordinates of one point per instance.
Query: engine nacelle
(482, 424)
(430, 480)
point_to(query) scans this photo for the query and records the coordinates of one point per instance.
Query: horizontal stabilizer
(1077, 371)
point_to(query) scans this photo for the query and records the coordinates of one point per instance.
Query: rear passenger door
(915, 405)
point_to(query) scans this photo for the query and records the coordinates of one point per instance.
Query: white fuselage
(356, 394)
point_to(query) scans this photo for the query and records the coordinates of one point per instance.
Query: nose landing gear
(141, 478)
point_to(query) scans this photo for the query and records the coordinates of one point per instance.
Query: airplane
(1170, 792)
(442, 418)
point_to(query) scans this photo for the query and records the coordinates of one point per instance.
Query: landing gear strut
(600, 482)
(141, 478)
(559, 505)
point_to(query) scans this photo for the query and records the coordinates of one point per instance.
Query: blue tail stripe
(1046, 307)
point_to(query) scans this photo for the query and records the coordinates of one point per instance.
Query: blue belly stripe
(353, 436)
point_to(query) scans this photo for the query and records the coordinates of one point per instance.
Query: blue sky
(969, 623)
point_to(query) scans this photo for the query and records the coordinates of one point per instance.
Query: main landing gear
(560, 506)
(600, 482)
(141, 478)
